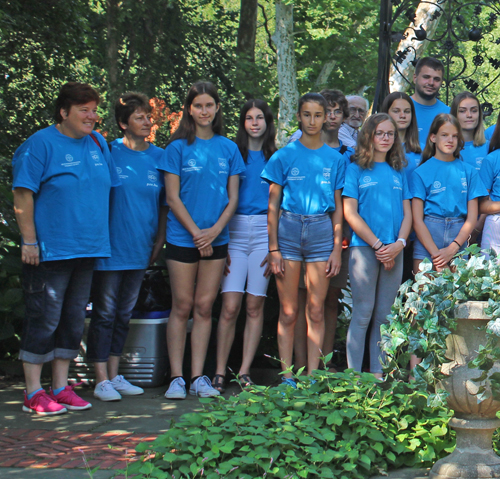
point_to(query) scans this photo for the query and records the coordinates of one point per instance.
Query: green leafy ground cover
(344, 426)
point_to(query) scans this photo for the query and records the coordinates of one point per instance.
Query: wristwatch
(402, 241)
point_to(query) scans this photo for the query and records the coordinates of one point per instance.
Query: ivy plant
(423, 316)
(343, 426)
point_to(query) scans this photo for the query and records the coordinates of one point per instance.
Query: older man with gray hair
(358, 108)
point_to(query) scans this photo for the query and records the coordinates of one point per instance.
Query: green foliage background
(161, 47)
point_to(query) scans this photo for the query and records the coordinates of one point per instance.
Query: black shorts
(184, 254)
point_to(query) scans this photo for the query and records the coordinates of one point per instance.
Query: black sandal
(246, 381)
(219, 383)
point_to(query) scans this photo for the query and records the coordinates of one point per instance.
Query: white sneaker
(202, 387)
(177, 389)
(125, 388)
(106, 392)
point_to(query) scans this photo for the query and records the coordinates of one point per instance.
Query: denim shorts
(56, 294)
(306, 238)
(443, 232)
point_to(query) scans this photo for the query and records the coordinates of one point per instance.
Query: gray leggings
(373, 292)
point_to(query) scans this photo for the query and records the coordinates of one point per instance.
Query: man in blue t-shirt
(428, 79)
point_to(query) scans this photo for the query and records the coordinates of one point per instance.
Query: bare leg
(207, 286)
(60, 369)
(317, 287)
(101, 372)
(32, 374)
(113, 365)
(253, 330)
(231, 305)
(300, 340)
(288, 286)
(182, 278)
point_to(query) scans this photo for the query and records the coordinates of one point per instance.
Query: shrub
(345, 425)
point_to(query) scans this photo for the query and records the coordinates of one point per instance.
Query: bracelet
(381, 246)
(30, 244)
(272, 250)
(457, 243)
(375, 244)
(476, 230)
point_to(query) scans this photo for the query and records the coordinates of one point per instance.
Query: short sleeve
(171, 159)
(351, 183)
(273, 172)
(418, 187)
(477, 188)
(486, 172)
(29, 164)
(406, 189)
(339, 184)
(115, 179)
(236, 164)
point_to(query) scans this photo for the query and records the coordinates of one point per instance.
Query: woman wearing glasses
(375, 191)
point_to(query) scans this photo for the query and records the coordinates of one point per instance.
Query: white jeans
(491, 234)
(248, 244)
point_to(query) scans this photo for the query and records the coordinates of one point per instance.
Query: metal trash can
(144, 361)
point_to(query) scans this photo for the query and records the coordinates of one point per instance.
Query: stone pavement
(65, 446)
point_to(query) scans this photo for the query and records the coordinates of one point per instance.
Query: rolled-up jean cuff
(58, 353)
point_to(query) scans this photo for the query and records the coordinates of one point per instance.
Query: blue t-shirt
(380, 192)
(474, 155)
(446, 187)
(425, 116)
(254, 191)
(413, 160)
(489, 131)
(134, 208)
(204, 168)
(490, 174)
(309, 177)
(346, 154)
(71, 180)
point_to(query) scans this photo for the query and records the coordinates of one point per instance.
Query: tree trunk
(324, 74)
(247, 29)
(415, 48)
(287, 78)
(112, 63)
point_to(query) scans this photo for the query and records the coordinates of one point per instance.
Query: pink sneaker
(67, 397)
(42, 404)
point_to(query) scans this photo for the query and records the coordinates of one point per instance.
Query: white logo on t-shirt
(152, 176)
(327, 173)
(118, 170)
(70, 161)
(396, 180)
(367, 179)
(192, 162)
(295, 171)
(222, 163)
(437, 187)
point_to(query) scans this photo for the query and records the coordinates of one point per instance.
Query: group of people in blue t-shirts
(313, 213)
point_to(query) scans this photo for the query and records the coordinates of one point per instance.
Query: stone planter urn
(473, 457)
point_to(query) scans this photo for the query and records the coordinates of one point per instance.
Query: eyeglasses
(359, 111)
(381, 134)
(336, 113)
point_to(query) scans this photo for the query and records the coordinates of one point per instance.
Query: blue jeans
(114, 294)
(56, 294)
